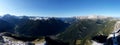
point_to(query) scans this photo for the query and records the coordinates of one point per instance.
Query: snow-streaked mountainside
(61, 18)
(16, 19)
(92, 17)
(8, 17)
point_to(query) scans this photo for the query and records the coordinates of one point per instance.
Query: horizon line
(62, 16)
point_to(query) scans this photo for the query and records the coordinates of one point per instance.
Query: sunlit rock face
(43, 43)
(112, 39)
(117, 26)
(11, 41)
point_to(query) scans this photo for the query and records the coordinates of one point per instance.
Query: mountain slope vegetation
(84, 30)
(41, 27)
(75, 31)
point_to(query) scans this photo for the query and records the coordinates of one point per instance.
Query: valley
(89, 30)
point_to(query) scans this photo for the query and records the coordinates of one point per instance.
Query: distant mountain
(69, 20)
(92, 17)
(14, 19)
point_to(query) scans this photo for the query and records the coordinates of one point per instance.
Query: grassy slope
(85, 29)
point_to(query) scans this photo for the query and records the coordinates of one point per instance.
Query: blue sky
(60, 8)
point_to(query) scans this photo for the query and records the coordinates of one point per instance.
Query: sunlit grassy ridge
(85, 29)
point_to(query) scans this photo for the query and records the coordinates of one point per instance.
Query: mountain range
(77, 30)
